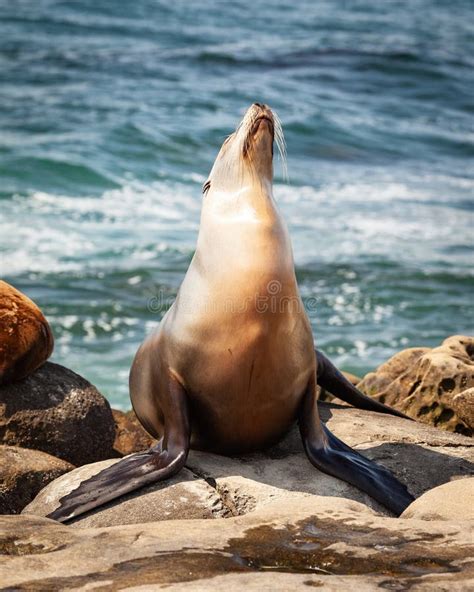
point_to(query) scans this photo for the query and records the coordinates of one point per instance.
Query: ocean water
(111, 114)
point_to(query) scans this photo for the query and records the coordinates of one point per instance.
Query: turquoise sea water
(111, 114)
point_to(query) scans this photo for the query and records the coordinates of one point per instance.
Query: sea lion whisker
(281, 144)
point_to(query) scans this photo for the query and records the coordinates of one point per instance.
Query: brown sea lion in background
(232, 364)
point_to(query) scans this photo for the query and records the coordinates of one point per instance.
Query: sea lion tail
(128, 474)
(332, 380)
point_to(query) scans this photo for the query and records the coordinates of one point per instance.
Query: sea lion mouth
(259, 120)
(256, 116)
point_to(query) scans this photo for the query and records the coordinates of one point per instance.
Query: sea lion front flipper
(331, 379)
(330, 455)
(139, 469)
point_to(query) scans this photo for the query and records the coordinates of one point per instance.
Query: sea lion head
(246, 156)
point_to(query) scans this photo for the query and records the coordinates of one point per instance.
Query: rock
(185, 496)
(463, 405)
(392, 369)
(401, 445)
(181, 497)
(23, 473)
(130, 436)
(309, 542)
(421, 457)
(451, 501)
(404, 446)
(26, 340)
(423, 383)
(58, 412)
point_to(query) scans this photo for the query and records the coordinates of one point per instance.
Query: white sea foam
(61, 233)
(389, 219)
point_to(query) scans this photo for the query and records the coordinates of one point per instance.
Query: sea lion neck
(237, 173)
(252, 201)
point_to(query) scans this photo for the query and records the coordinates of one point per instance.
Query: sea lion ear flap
(206, 187)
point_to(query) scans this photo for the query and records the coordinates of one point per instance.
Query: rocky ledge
(266, 521)
(214, 486)
(299, 542)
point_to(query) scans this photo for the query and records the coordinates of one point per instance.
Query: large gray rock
(451, 501)
(23, 473)
(421, 457)
(59, 412)
(310, 541)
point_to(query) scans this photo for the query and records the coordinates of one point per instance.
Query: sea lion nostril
(259, 105)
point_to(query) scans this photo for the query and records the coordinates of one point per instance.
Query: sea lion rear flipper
(330, 455)
(137, 470)
(331, 379)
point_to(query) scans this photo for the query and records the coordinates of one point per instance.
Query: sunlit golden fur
(244, 366)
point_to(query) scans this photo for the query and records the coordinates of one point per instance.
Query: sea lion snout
(246, 156)
(258, 131)
(259, 113)
(260, 110)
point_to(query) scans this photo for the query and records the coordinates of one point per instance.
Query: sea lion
(232, 364)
